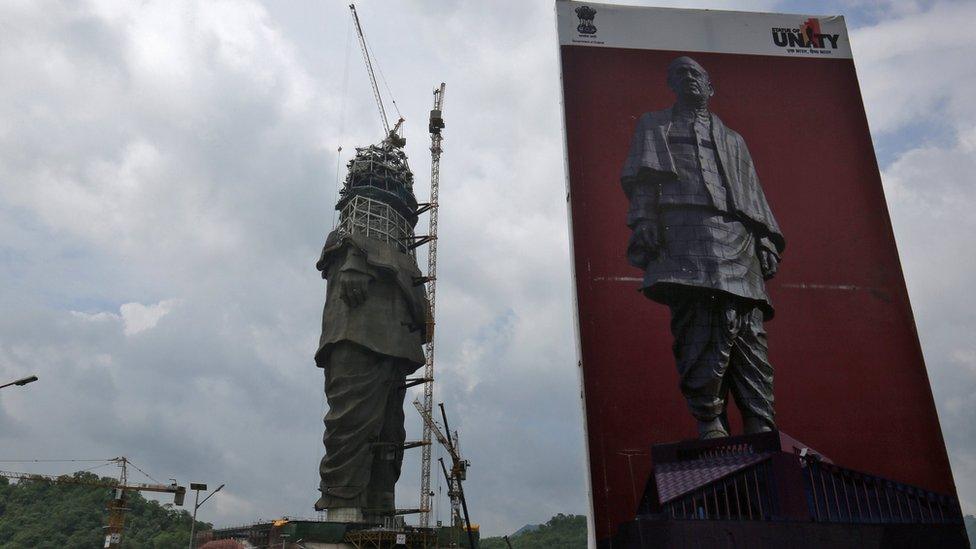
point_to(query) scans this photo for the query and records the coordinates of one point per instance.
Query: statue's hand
(645, 243)
(353, 287)
(768, 262)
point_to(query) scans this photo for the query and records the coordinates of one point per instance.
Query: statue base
(770, 490)
(318, 534)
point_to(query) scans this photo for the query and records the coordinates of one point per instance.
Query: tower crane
(435, 126)
(117, 506)
(457, 474)
(372, 80)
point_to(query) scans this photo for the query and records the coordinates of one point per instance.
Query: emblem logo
(586, 15)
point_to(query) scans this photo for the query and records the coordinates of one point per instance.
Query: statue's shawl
(650, 156)
(379, 255)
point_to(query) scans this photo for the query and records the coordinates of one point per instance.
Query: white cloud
(917, 68)
(138, 317)
(931, 197)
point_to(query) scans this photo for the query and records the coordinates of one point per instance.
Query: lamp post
(197, 504)
(20, 382)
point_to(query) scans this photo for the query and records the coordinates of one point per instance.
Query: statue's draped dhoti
(366, 353)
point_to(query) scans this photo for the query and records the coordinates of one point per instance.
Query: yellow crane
(116, 507)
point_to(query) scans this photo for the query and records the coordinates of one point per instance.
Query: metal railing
(835, 494)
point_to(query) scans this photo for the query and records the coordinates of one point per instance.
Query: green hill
(41, 515)
(561, 532)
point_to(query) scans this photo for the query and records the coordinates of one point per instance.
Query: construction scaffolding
(382, 538)
(381, 172)
(378, 220)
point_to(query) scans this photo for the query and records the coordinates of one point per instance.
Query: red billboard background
(850, 378)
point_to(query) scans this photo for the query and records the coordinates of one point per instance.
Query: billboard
(734, 261)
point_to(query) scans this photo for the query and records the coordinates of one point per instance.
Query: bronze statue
(706, 240)
(373, 329)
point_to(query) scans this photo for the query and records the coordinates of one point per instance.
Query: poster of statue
(734, 262)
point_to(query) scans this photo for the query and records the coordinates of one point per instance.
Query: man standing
(706, 239)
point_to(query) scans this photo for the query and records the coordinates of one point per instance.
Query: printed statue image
(373, 330)
(706, 240)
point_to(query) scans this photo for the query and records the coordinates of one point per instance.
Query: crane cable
(136, 467)
(342, 125)
(387, 86)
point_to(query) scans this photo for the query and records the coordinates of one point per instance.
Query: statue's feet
(752, 425)
(344, 514)
(712, 428)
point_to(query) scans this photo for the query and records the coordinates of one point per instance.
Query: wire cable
(342, 117)
(51, 460)
(136, 467)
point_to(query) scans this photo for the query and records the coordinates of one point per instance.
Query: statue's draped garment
(693, 178)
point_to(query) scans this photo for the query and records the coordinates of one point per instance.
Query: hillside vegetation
(41, 515)
(561, 532)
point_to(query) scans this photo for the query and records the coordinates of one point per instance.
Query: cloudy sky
(167, 176)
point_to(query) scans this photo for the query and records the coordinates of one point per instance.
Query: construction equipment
(458, 473)
(116, 507)
(435, 126)
(372, 80)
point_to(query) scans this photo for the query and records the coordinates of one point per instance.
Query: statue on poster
(707, 241)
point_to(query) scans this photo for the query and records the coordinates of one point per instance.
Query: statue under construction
(373, 331)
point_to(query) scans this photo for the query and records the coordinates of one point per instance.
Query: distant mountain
(526, 528)
(560, 532)
(35, 514)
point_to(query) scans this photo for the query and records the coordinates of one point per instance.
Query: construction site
(376, 206)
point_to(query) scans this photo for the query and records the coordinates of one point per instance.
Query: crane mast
(435, 126)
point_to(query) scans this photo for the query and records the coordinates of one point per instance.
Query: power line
(51, 460)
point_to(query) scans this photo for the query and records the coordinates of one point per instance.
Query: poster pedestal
(769, 489)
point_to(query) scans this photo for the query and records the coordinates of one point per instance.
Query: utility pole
(196, 486)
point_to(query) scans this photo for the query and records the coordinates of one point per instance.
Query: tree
(42, 515)
(560, 532)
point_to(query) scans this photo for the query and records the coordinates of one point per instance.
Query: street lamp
(20, 382)
(197, 504)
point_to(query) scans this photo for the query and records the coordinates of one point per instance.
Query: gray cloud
(180, 157)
